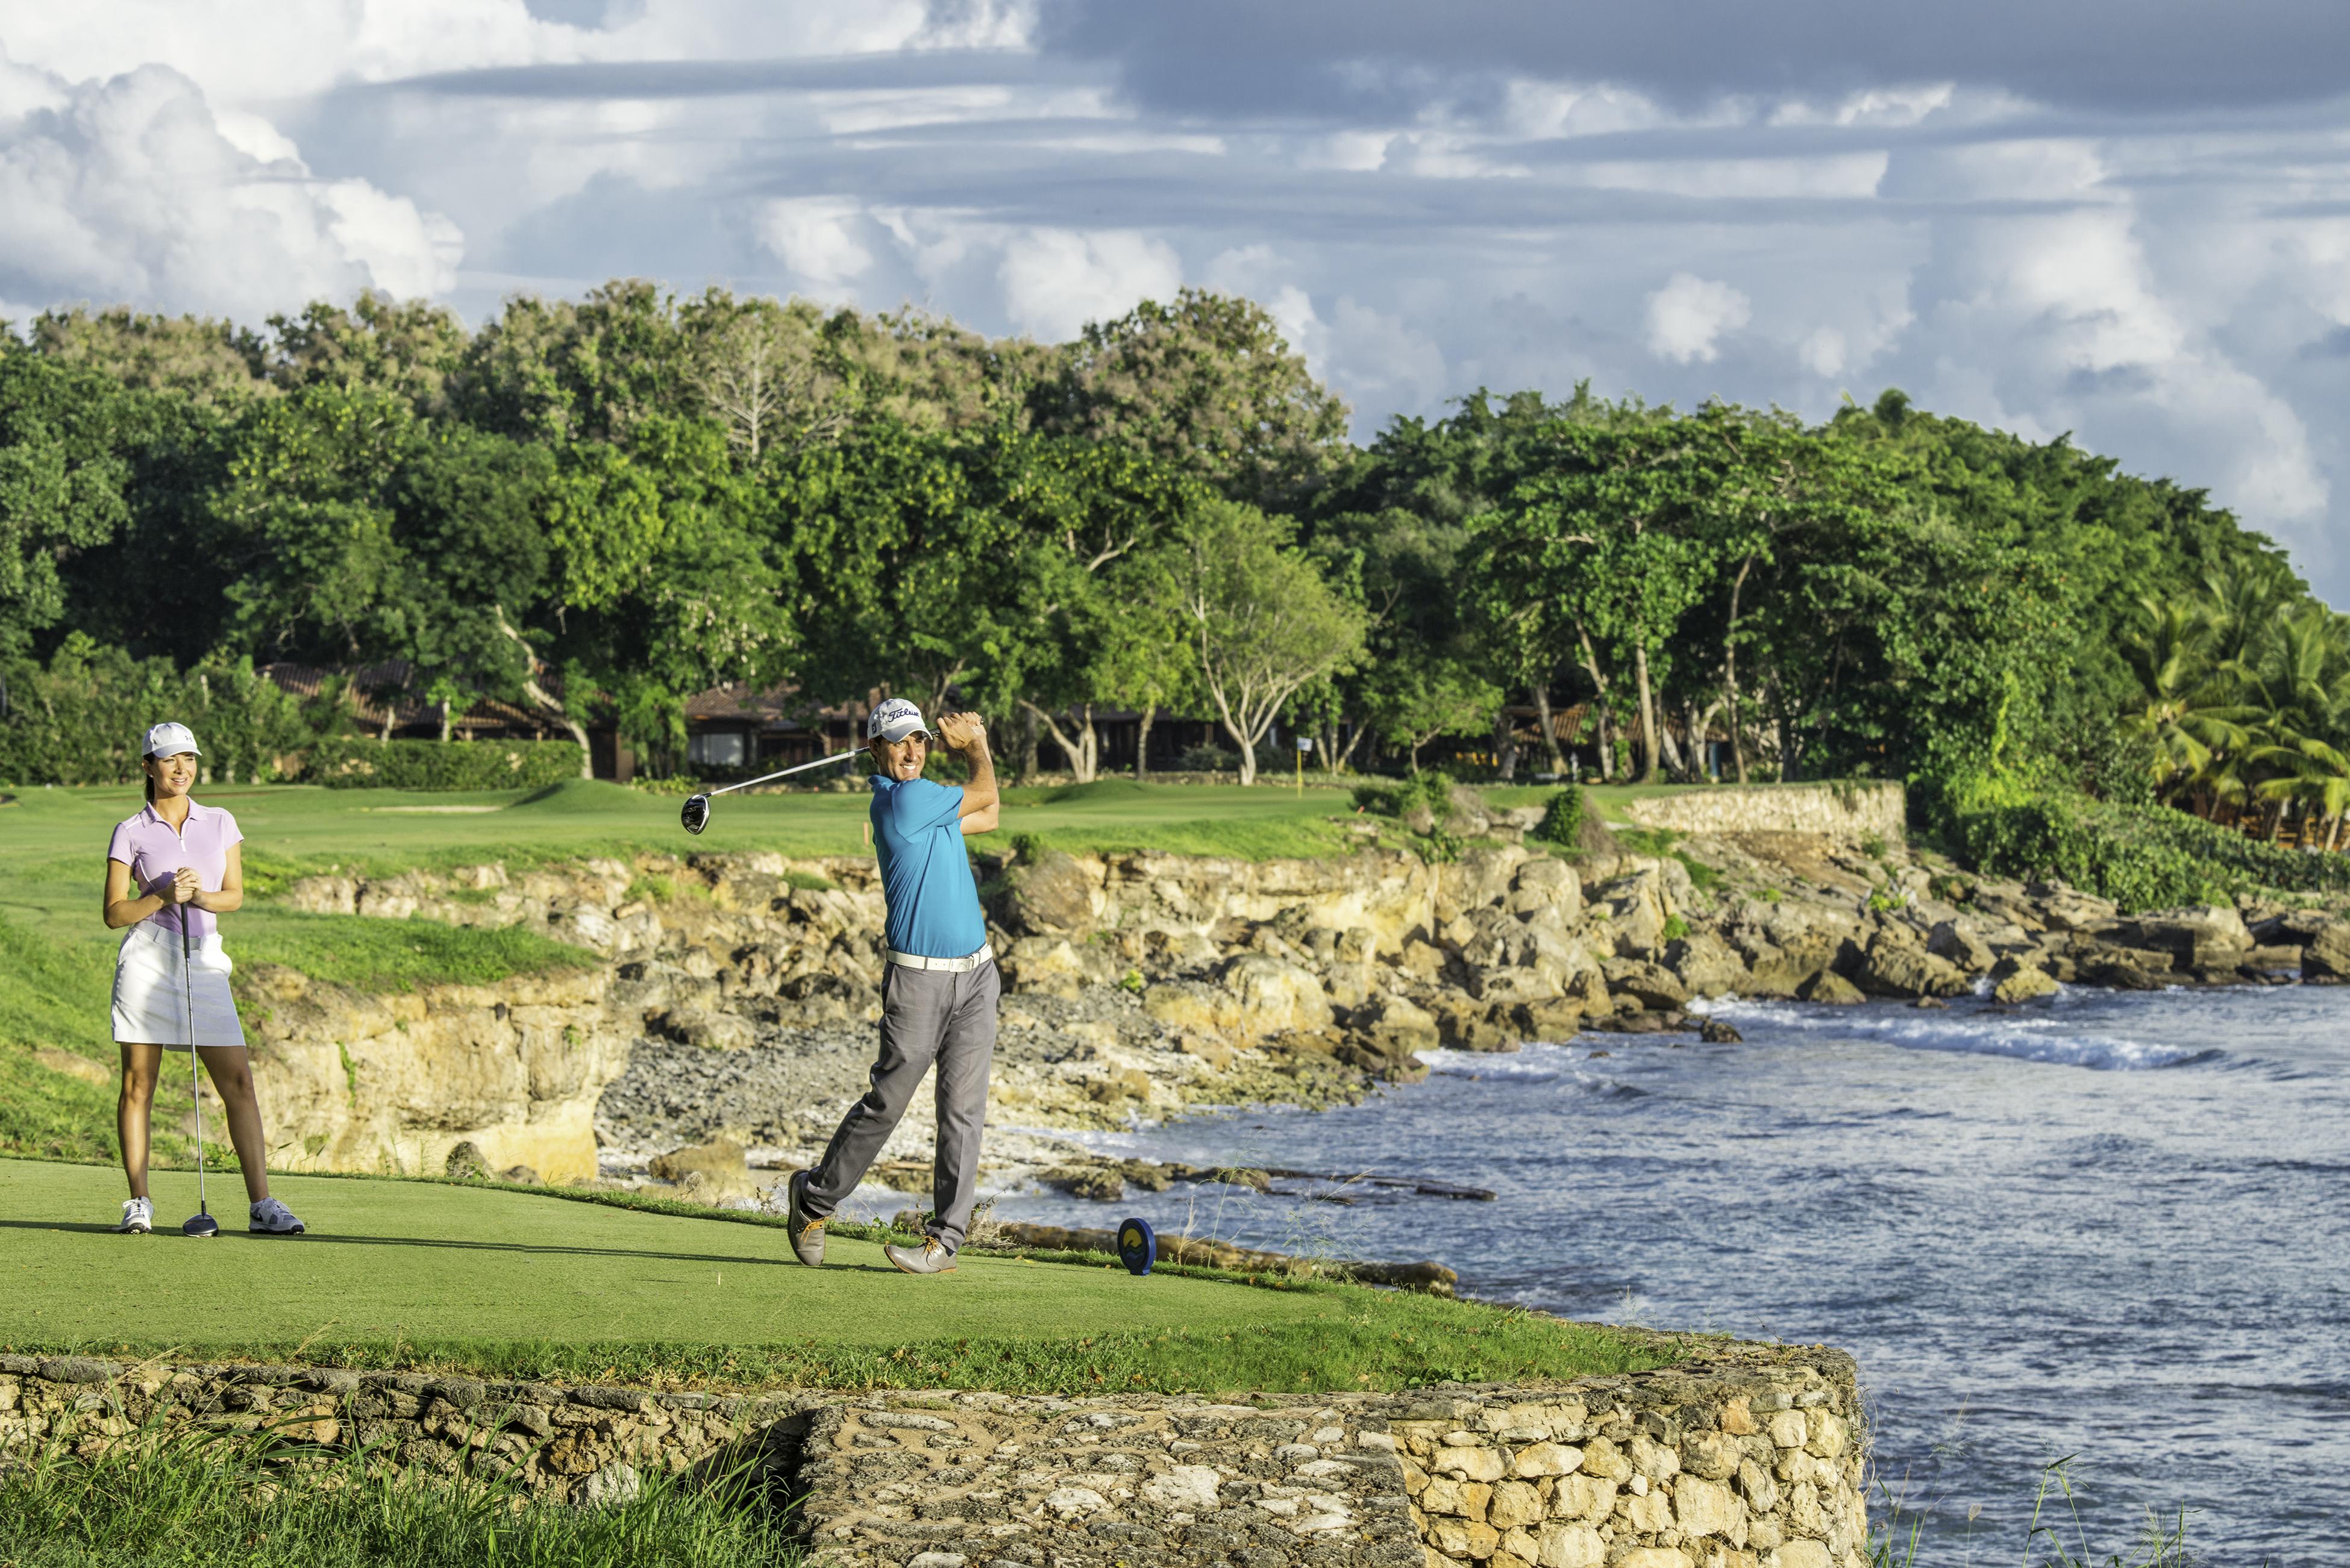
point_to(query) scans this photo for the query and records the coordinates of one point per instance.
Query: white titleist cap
(893, 721)
(169, 741)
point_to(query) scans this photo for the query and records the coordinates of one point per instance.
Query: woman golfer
(169, 871)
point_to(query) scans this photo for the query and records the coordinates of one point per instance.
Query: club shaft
(195, 1083)
(820, 762)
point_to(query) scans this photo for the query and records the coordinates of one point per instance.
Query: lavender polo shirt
(147, 844)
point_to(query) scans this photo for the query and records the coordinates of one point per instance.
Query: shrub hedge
(2141, 856)
(351, 762)
(1562, 818)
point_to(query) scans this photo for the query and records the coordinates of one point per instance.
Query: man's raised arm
(966, 733)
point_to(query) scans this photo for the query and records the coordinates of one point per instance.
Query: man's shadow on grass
(313, 1239)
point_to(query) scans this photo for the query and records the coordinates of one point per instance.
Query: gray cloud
(1374, 57)
(905, 70)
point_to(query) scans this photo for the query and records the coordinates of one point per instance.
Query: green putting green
(504, 1284)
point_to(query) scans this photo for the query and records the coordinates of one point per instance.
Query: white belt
(950, 966)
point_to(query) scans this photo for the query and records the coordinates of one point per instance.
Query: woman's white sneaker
(138, 1217)
(271, 1218)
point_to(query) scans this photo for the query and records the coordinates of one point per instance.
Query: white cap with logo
(170, 740)
(893, 721)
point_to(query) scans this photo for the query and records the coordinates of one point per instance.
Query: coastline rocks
(2327, 953)
(2019, 982)
(1054, 897)
(1138, 984)
(1895, 966)
(1832, 988)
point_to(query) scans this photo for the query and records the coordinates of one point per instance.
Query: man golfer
(937, 994)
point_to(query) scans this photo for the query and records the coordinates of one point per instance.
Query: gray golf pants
(927, 1016)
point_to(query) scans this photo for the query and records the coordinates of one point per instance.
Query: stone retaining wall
(1748, 1457)
(1838, 810)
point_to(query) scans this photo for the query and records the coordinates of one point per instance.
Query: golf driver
(201, 1224)
(695, 813)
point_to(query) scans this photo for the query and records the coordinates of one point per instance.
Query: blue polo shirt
(925, 874)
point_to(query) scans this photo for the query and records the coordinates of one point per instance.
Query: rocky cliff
(742, 988)
(353, 1082)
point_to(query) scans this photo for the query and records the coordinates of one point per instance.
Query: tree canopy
(597, 507)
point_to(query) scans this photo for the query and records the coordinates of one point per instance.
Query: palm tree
(2188, 712)
(2312, 773)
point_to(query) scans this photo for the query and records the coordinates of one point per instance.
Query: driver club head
(695, 813)
(200, 1226)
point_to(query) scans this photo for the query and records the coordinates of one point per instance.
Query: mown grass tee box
(504, 1284)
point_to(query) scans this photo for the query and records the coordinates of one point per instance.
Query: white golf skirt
(153, 991)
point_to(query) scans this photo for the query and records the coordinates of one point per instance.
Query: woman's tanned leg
(232, 1073)
(133, 1112)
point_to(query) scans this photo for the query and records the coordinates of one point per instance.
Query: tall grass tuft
(180, 1500)
(2049, 1542)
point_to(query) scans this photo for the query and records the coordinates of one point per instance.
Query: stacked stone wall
(1750, 1458)
(1849, 811)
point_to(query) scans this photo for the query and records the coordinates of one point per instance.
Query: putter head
(695, 812)
(201, 1225)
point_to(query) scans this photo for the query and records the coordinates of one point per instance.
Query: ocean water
(2116, 1228)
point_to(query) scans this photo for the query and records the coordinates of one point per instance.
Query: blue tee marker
(1137, 1246)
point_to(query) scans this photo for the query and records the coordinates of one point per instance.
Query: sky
(2125, 219)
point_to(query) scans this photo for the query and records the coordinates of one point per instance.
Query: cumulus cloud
(1689, 314)
(1057, 280)
(816, 237)
(129, 188)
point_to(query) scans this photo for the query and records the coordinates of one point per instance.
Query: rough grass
(401, 955)
(505, 1284)
(187, 1501)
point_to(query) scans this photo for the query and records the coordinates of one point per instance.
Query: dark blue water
(2118, 1227)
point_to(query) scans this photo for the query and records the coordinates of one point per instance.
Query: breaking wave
(2048, 1037)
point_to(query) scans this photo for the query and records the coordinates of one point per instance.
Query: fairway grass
(501, 1283)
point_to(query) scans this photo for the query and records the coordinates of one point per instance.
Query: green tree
(668, 577)
(1609, 535)
(1262, 621)
(1207, 385)
(210, 362)
(61, 486)
(406, 349)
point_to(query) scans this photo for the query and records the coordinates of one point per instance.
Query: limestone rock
(1054, 897)
(711, 1031)
(2022, 982)
(1557, 1020)
(1397, 1024)
(1638, 907)
(1546, 883)
(466, 1163)
(2207, 934)
(1707, 965)
(1054, 966)
(1653, 985)
(1827, 986)
(1960, 942)
(710, 1172)
(2064, 909)
(1891, 967)
(2327, 956)
(2295, 928)
(1275, 997)
(1720, 1032)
